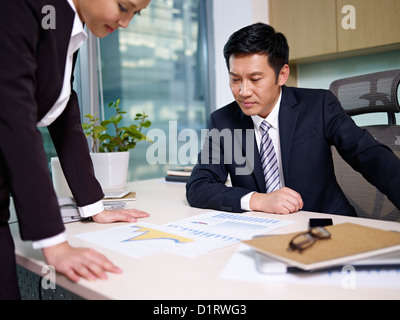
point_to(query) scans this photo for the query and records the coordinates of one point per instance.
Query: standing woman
(36, 66)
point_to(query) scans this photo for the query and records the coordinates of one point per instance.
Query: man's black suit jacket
(32, 65)
(310, 122)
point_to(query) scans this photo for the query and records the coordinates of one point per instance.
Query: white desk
(167, 276)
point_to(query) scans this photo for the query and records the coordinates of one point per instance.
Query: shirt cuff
(85, 212)
(245, 201)
(91, 210)
(48, 242)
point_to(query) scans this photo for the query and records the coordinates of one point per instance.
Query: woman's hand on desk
(76, 263)
(119, 215)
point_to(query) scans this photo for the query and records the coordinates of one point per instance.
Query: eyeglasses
(305, 240)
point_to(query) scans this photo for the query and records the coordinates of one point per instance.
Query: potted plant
(111, 144)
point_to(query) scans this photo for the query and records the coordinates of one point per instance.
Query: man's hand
(282, 201)
(76, 263)
(119, 215)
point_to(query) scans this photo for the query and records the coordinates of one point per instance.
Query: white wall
(230, 16)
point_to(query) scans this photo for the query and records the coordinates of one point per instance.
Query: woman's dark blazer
(32, 63)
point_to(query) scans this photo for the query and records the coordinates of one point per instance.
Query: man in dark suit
(302, 125)
(39, 40)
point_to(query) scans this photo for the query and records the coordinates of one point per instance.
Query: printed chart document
(189, 237)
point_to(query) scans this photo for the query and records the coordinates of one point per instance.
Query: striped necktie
(269, 161)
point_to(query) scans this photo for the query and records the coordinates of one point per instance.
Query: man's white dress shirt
(273, 120)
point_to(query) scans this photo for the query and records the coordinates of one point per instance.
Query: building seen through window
(157, 65)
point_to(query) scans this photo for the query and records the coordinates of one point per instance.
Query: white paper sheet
(189, 237)
(242, 267)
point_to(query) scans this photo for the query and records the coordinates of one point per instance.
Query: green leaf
(146, 124)
(86, 126)
(98, 129)
(118, 119)
(133, 127)
(104, 137)
(134, 133)
(131, 145)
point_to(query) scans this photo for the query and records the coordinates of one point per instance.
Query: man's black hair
(259, 38)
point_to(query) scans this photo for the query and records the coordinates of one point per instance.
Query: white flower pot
(111, 169)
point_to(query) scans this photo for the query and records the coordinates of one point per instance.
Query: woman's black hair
(259, 38)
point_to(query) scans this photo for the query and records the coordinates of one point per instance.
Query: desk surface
(167, 276)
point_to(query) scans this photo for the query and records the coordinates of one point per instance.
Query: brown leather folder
(348, 242)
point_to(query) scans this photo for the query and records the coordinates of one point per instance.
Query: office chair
(369, 93)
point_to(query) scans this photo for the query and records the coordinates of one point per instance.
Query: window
(158, 65)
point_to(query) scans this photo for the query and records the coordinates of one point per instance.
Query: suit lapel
(287, 124)
(52, 55)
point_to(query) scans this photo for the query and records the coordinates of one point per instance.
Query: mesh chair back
(368, 201)
(377, 92)
(374, 92)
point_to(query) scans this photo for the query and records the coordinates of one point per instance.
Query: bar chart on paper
(135, 240)
(188, 237)
(214, 230)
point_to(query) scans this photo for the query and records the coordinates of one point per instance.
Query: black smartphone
(320, 222)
